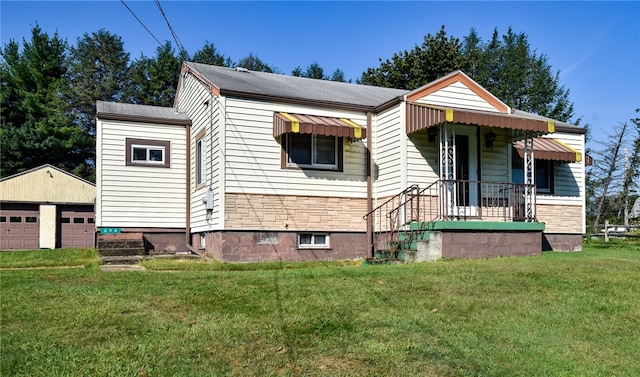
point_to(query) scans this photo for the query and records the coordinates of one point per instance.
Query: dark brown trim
(187, 209)
(199, 136)
(369, 235)
(143, 119)
(160, 143)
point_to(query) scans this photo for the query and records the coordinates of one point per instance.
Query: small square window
(313, 240)
(3, 219)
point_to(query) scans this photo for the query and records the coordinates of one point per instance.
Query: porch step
(121, 259)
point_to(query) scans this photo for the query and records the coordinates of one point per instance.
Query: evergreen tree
(154, 80)
(98, 71)
(209, 55)
(37, 120)
(254, 63)
(436, 57)
(505, 66)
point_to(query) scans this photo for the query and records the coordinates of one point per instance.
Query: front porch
(456, 219)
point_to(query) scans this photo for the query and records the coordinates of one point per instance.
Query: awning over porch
(421, 116)
(318, 125)
(550, 149)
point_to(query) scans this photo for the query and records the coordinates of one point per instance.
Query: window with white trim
(313, 240)
(151, 153)
(313, 151)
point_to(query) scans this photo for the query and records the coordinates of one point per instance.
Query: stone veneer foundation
(262, 246)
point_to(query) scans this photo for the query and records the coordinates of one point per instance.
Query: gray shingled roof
(152, 114)
(238, 82)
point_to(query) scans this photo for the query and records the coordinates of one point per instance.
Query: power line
(141, 23)
(183, 52)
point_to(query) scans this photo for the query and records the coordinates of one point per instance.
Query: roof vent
(242, 69)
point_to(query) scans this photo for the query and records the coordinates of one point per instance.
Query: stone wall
(308, 213)
(560, 218)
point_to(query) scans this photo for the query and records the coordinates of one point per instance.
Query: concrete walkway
(121, 267)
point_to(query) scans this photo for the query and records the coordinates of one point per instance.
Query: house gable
(460, 91)
(47, 184)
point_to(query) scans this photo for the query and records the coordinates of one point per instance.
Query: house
(46, 208)
(253, 166)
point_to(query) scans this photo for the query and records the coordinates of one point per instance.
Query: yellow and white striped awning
(284, 123)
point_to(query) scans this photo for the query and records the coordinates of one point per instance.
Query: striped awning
(284, 123)
(550, 149)
(421, 116)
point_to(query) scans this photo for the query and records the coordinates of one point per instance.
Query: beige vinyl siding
(388, 161)
(204, 110)
(457, 95)
(253, 155)
(569, 177)
(48, 185)
(422, 159)
(494, 164)
(137, 196)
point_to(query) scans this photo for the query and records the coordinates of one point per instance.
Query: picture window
(313, 151)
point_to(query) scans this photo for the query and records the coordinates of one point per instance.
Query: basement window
(313, 240)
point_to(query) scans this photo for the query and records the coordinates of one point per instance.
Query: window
(313, 151)
(544, 176)
(140, 152)
(313, 240)
(3, 219)
(31, 219)
(15, 219)
(78, 220)
(544, 173)
(200, 159)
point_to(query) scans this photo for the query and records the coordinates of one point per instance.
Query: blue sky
(594, 45)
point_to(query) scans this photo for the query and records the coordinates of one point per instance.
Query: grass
(48, 258)
(559, 314)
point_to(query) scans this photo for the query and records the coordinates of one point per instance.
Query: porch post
(529, 178)
(447, 168)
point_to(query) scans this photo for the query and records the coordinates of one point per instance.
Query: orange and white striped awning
(284, 123)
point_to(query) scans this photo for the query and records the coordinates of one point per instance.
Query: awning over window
(550, 149)
(420, 117)
(318, 125)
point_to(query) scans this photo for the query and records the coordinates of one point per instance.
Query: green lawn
(559, 314)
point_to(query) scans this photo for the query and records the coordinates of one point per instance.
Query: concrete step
(121, 260)
(120, 252)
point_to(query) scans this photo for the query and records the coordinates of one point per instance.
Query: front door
(466, 171)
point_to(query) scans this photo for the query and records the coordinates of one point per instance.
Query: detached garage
(46, 208)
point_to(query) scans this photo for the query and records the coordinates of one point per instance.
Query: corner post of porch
(529, 178)
(447, 167)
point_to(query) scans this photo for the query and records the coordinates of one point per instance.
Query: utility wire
(141, 23)
(183, 52)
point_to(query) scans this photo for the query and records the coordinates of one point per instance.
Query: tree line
(48, 88)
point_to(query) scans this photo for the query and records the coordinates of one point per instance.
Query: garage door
(19, 228)
(76, 226)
